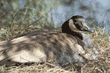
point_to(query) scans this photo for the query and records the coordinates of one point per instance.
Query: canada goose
(44, 46)
(76, 24)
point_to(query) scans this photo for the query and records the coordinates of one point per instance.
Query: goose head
(78, 23)
(75, 25)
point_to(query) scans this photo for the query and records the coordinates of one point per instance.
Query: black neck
(77, 34)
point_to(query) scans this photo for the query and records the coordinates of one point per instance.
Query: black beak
(88, 29)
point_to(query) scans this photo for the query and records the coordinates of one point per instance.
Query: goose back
(49, 46)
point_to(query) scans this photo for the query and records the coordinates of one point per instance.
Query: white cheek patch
(72, 26)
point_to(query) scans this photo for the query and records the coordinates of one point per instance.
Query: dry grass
(102, 65)
(100, 38)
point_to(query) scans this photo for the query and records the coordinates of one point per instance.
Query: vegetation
(16, 20)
